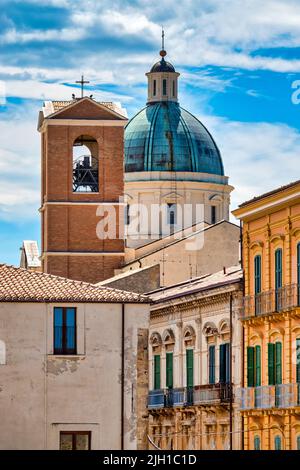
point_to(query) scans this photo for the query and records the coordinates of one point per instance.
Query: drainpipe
(230, 379)
(243, 330)
(123, 377)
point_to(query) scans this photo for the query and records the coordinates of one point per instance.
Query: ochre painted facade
(270, 315)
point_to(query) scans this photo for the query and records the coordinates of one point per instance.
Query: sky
(239, 62)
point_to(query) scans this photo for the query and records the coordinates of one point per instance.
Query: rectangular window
(211, 364)
(157, 372)
(225, 363)
(64, 330)
(278, 278)
(173, 88)
(189, 367)
(171, 214)
(75, 440)
(127, 214)
(164, 87)
(213, 214)
(154, 87)
(169, 370)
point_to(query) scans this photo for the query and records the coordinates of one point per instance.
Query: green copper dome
(165, 137)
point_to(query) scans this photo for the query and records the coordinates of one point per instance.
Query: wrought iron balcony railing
(198, 395)
(269, 396)
(272, 301)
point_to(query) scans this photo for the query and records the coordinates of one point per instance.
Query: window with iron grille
(64, 330)
(75, 440)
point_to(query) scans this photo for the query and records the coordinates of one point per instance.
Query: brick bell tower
(82, 172)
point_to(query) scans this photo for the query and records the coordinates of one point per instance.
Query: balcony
(272, 301)
(269, 396)
(198, 395)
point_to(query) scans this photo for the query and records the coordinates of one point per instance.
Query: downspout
(230, 379)
(123, 376)
(243, 331)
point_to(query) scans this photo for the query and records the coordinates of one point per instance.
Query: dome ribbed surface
(165, 137)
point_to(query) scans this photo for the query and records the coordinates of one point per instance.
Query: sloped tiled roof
(270, 193)
(232, 274)
(58, 105)
(20, 285)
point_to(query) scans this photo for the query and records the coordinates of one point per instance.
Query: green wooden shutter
(222, 365)
(227, 372)
(278, 363)
(298, 360)
(298, 442)
(257, 366)
(211, 364)
(250, 368)
(157, 372)
(169, 370)
(271, 363)
(189, 368)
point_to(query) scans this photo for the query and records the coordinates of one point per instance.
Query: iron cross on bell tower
(82, 82)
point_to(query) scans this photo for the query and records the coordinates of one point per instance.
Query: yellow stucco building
(270, 397)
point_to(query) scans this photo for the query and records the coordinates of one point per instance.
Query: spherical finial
(163, 53)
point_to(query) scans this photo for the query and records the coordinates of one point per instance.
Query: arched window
(169, 341)
(85, 165)
(277, 443)
(256, 443)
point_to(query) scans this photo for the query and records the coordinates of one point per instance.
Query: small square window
(75, 440)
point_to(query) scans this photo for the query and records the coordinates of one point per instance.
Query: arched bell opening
(85, 165)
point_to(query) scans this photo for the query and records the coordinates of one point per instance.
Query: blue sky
(238, 60)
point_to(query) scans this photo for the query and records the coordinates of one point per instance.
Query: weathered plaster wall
(42, 394)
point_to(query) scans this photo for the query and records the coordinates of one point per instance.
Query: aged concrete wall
(216, 247)
(139, 280)
(42, 394)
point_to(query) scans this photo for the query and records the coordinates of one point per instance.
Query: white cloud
(257, 157)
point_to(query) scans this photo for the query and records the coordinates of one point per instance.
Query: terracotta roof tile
(58, 105)
(21, 285)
